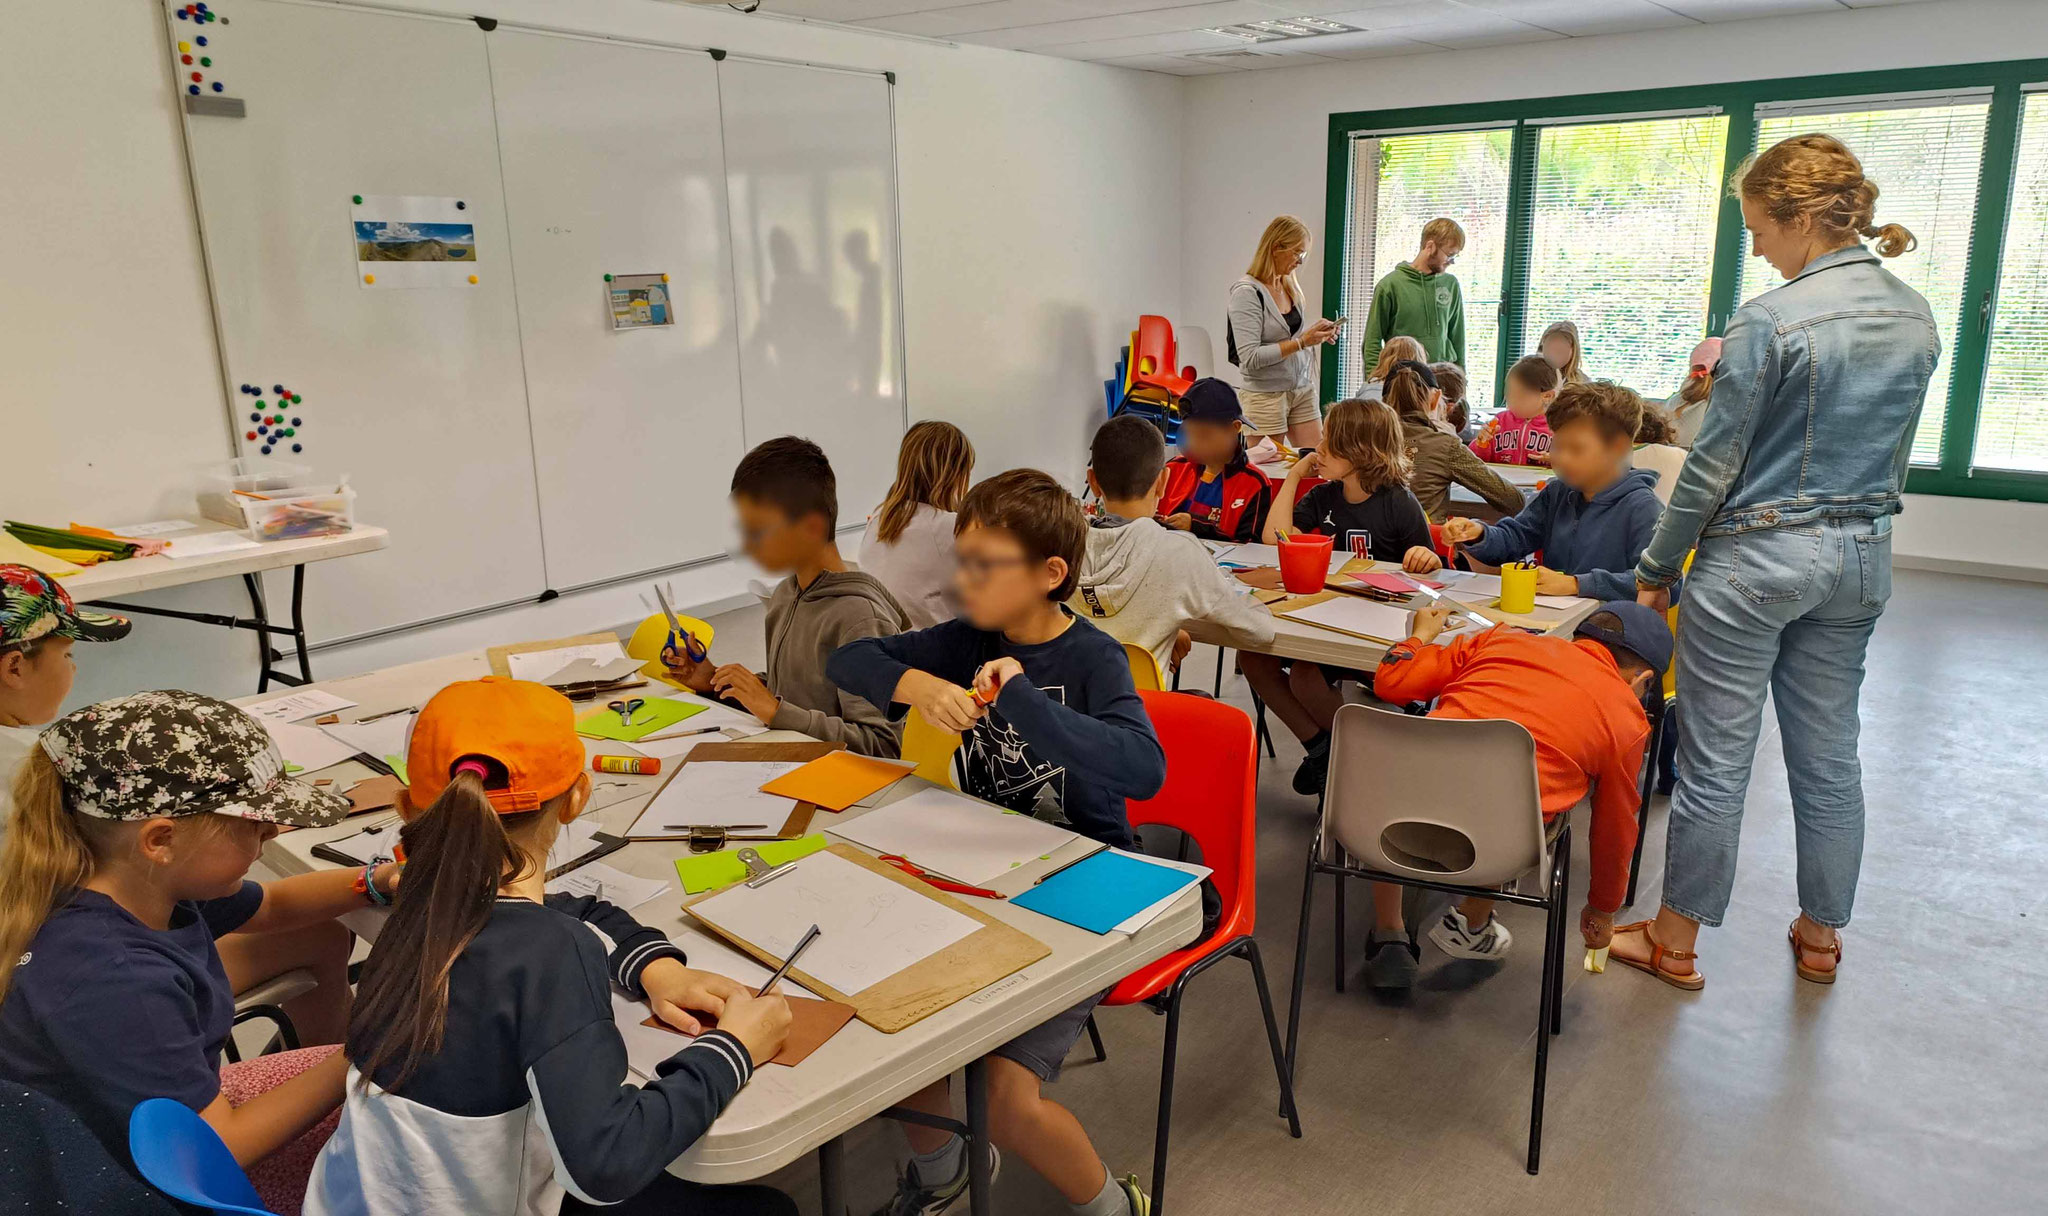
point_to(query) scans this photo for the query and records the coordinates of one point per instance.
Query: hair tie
(482, 771)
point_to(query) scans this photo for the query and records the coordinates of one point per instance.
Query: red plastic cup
(1304, 562)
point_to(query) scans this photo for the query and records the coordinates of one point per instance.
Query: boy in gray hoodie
(1140, 581)
(787, 503)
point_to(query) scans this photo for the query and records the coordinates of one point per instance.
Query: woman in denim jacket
(1787, 496)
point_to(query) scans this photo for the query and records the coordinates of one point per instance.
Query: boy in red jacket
(1213, 491)
(1582, 699)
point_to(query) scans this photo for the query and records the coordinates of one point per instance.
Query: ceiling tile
(858, 10)
(1401, 13)
(989, 15)
(1364, 45)
(1175, 65)
(1143, 44)
(1579, 18)
(1738, 10)
(1476, 29)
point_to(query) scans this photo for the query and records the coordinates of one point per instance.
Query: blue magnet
(278, 389)
(218, 86)
(201, 40)
(192, 89)
(183, 15)
(298, 447)
(298, 422)
(255, 417)
(263, 429)
(460, 205)
(265, 449)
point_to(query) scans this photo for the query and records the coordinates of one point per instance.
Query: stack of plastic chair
(1152, 386)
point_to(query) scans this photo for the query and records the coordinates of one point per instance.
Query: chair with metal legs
(1389, 815)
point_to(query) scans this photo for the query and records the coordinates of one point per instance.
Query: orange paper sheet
(838, 780)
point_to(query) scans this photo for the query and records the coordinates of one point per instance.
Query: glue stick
(643, 765)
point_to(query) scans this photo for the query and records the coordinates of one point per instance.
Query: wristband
(366, 886)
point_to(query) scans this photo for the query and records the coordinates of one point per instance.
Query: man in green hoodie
(1422, 299)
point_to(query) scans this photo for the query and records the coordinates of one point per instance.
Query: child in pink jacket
(1518, 433)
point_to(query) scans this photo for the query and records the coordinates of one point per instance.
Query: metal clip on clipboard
(759, 872)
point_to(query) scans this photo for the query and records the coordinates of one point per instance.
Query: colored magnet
(472, 278)
(201, 40)
(358, 198)
(278, 389)
(185, 59)
(196, 77)
(263, 429)
(298, 422)
(255, 417)
(460, 205)
(184, 46)
(192, 89)
(664, 278)
(183, 15)
(206, 61)
(265, 449)
(290, 431)
(369, 278)
(298, 447)
(607, 278)
(218, 86)
(252, 435)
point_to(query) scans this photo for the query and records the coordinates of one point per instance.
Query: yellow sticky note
(1596, 960)
(837, 780)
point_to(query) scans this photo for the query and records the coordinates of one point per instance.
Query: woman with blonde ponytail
(486, 1073)
(1802, 457)
(135, 823)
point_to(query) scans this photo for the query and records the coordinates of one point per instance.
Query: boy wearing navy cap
(1582, 700)
(1212, 490)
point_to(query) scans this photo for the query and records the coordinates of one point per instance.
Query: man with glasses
(1422, 299)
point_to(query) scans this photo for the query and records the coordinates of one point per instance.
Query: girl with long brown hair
(908, 545)
(1438, 459)
(485, 1071)
(136, 821)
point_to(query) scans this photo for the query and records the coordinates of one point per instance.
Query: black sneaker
(1391, 960)
(913, 1198)
(1315, 767)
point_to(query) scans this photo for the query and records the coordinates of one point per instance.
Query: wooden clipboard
(499, 654)
(1289, 607)
(967, 966)
(799, 821)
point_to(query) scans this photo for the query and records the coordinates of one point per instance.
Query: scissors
(944, 884)
(680, 638)
(626, 709)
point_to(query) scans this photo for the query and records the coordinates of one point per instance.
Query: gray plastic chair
(1441, 804)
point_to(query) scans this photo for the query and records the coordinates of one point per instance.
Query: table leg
(299, 623)
(254, 582)
(978, 1180)
(832, 1176)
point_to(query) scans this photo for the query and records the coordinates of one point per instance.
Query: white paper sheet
(572, 842)
(309, 747)
(717, 792)
(959, 837)
(306, 703)
(1557, 601)
(872, 928)
(387, 736)
(156, 527)
(1269, 555)
(675, 749)
(206, 544)
(607, 883)
(1145, 916)
(1354, 615)
(538, 665)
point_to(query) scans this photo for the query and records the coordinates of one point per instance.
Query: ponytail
(1892, 239)
(458, 854)
(46, 857)
(1406, 394)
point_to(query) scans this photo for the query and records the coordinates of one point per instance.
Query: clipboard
(799, 821)
(966, 967)
(498, 654)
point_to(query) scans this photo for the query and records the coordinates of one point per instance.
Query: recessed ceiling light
(1283, 28)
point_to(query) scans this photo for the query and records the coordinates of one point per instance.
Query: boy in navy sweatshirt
(1595, 518)
(1052, 727)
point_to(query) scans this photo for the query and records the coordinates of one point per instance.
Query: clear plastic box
(292, 515)
(256, 475)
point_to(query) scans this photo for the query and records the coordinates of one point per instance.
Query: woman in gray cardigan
(1272, 346)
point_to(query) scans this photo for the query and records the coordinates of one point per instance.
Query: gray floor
(1915, 1084)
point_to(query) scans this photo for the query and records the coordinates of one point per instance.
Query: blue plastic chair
(180, 1154)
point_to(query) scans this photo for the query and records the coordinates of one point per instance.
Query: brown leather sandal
(1801, 948)
(1692, 981)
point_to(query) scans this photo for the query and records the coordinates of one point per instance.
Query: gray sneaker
(1391, 960)
(914, 1198)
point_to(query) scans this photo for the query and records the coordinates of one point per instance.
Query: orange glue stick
(643, 765)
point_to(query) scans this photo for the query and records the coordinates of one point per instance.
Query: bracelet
(366, 886)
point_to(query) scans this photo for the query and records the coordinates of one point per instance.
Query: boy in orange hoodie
(1582, 700)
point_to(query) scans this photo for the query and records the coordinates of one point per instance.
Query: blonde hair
(1283, 233)
(1697, 387)
(1445, 232)
(1394, 351)
(932, 469)
(1367, 436)
(51, 852)
(1814, 180)
(1572, 372)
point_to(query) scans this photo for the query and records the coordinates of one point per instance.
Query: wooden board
(728, 751)
(966, 967)
(498, 654)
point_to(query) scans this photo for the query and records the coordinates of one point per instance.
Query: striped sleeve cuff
(633, 955)
(717, 1044)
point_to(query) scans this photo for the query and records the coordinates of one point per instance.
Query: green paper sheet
(397, 766)
(657, 715)
(709, 871)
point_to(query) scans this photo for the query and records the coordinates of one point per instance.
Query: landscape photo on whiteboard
(400, 241)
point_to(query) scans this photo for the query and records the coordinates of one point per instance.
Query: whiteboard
(810, 166)
(612, 165)
(417, 394)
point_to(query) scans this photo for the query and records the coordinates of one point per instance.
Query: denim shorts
(1044, 1047)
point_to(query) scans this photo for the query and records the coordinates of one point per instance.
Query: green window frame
(2009, 82)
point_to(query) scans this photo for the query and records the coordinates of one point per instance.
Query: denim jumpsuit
(1788, 495)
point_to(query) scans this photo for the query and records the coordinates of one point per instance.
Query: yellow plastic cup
(1518, 589)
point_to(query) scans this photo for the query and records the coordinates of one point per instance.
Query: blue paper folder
(1104, 891)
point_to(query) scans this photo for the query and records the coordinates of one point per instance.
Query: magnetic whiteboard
(417, 394)
(512, 440)
(810, 166)
(612, 165)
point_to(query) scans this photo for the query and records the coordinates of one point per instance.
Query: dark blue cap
(1210, 400)
(1643, 632)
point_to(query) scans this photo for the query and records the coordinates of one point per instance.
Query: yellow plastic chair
(1144, 669)
(932, 748)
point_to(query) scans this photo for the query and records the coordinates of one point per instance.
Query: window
(1925, 158)
(1622, 242)
(1401, 182)
(1613, 211)
(2012, 422)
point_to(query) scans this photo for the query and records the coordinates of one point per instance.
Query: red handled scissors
(944, 884)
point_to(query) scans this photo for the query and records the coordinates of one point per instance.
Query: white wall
(1256, 145)
(1038, 220)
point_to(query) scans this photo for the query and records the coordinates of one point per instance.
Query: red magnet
(185, 59)
(196, 78)
(250, 435)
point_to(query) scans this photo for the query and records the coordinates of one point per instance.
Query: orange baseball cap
(527, 729)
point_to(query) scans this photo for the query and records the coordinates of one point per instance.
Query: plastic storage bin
(291, 515)
(255, 475)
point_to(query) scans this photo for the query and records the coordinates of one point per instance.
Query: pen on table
(387, 713)
(789, 962)
(723, 827)
(682, 734)
(1068, 866)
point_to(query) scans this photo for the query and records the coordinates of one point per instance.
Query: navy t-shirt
(105, 1011)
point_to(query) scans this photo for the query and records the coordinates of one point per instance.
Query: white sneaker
(1454, 937)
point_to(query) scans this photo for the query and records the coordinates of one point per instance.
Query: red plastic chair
(1152, 364)
(1211, 793)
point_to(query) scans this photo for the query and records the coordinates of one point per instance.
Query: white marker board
(509, 437)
